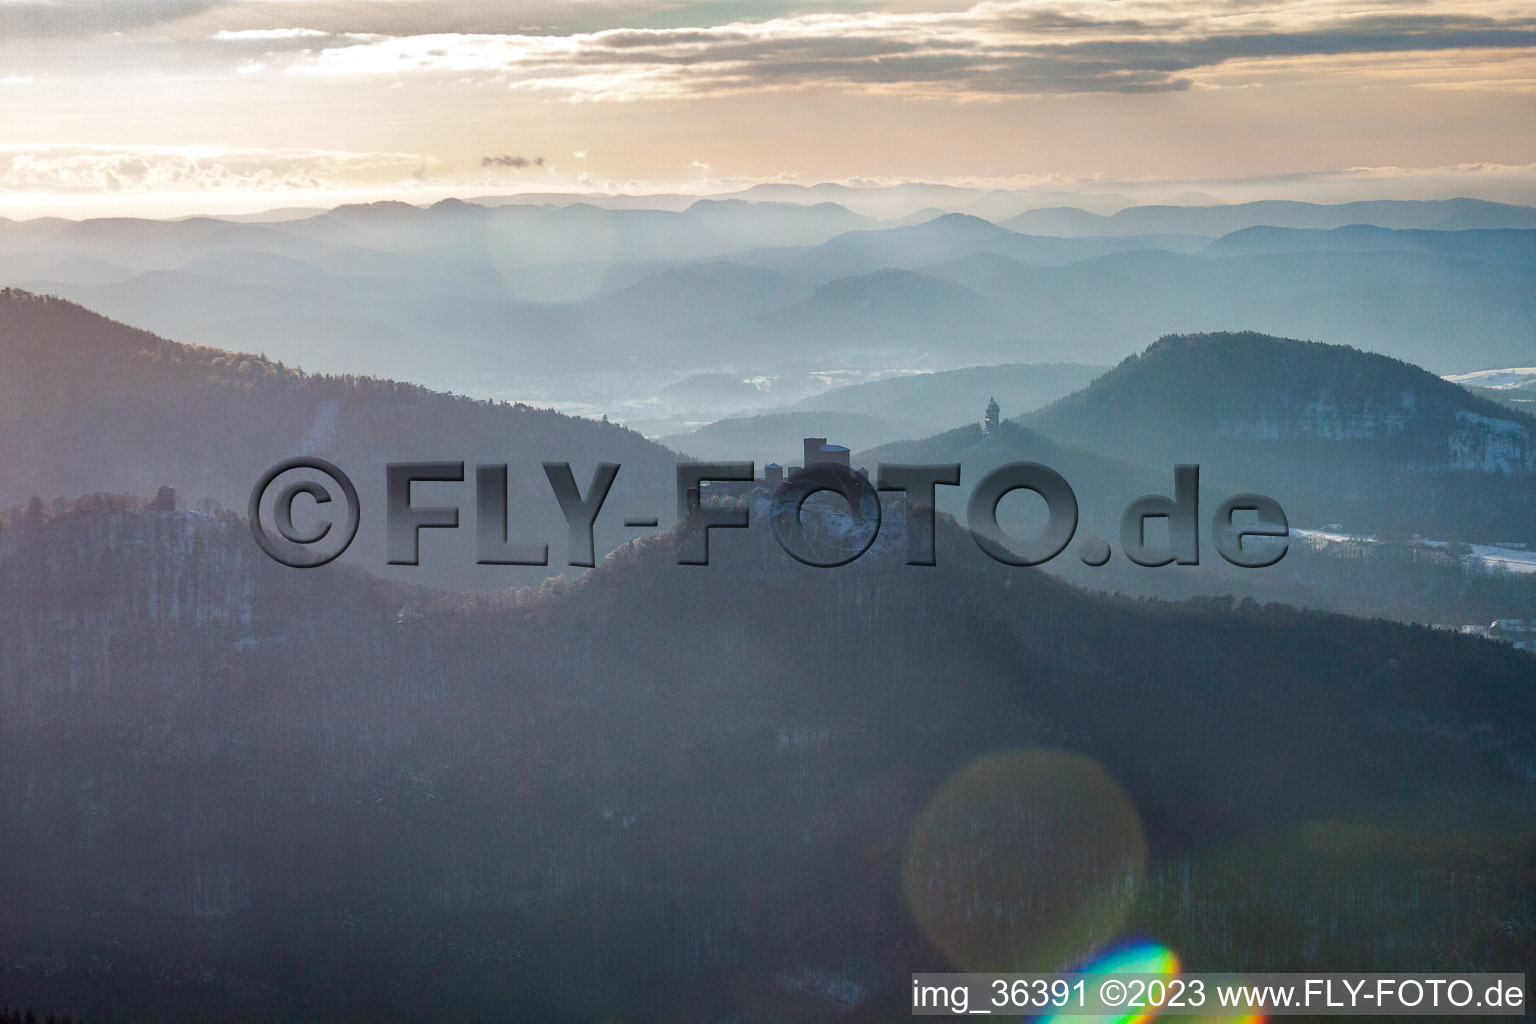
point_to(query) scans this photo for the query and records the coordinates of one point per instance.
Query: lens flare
(1024, 862)
(1142, 956)
(1137, 956)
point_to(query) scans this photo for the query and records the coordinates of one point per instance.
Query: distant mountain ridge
(949, 397)
(1513, 388)
(1508, 246)
(944, 237)
(1435, 214)
(1435, 311)
(512, 235)
(501, 293)
(778, 436)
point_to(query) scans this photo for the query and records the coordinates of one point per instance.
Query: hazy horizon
(195, 106)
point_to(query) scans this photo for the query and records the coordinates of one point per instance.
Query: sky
(161, 107)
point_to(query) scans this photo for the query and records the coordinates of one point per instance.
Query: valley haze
(530, 253)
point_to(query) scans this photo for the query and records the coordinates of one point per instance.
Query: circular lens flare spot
(1025, 862)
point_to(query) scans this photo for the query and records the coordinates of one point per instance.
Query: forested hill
(1103, 483)
(1248, 385)
(90, 405)
(704, 784)
(1335, 433)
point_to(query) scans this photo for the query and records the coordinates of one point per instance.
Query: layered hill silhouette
(1336, 434)
(496, 293)
(948, 397)
(1104, 483)
(516, 234)
(947, 236)
(1383, 575)
(723, 788)
(90, 405)
(1439, 215)
(1493, 246)
(779, 437)
(754, 790)
(1443, 313)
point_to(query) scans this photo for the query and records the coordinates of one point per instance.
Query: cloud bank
(199, 168)
(993, 49)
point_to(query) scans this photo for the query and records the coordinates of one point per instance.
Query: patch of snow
(1490, 445)
(1485, 556)
(1500, 380)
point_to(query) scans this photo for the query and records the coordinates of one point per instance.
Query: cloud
(994, 48)
(417, 17)
(24, 18)
(198, 168)
(266, 34)
(511, 161)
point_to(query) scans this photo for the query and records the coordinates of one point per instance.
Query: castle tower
(833, 453)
